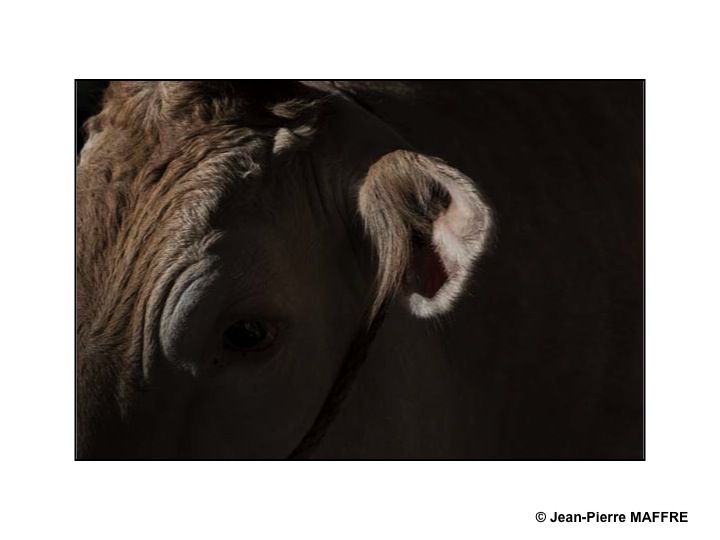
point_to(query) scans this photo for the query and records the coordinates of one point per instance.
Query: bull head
(233, 240)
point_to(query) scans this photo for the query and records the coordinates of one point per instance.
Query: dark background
(88, 102)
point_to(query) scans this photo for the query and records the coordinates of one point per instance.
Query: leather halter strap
(354, 358)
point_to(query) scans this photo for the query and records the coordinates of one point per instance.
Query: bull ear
(428, 224)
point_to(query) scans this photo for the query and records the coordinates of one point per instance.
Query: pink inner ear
(427, 270)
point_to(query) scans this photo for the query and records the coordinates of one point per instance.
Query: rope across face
(354, 359)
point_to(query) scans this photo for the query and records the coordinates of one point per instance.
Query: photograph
(375, 269)
(403, 271)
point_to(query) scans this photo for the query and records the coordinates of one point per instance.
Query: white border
(45, 494)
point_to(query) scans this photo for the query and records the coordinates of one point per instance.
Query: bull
(270, 270)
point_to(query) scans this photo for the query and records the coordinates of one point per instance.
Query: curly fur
(161, 158)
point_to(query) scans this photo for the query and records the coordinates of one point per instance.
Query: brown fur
(160, 159)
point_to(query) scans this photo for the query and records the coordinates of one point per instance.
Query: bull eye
(246, 336)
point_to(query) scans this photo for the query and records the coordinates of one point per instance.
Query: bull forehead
(153, 197)
(133, 229)
(137, 233)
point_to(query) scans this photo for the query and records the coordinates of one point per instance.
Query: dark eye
(248, 336)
